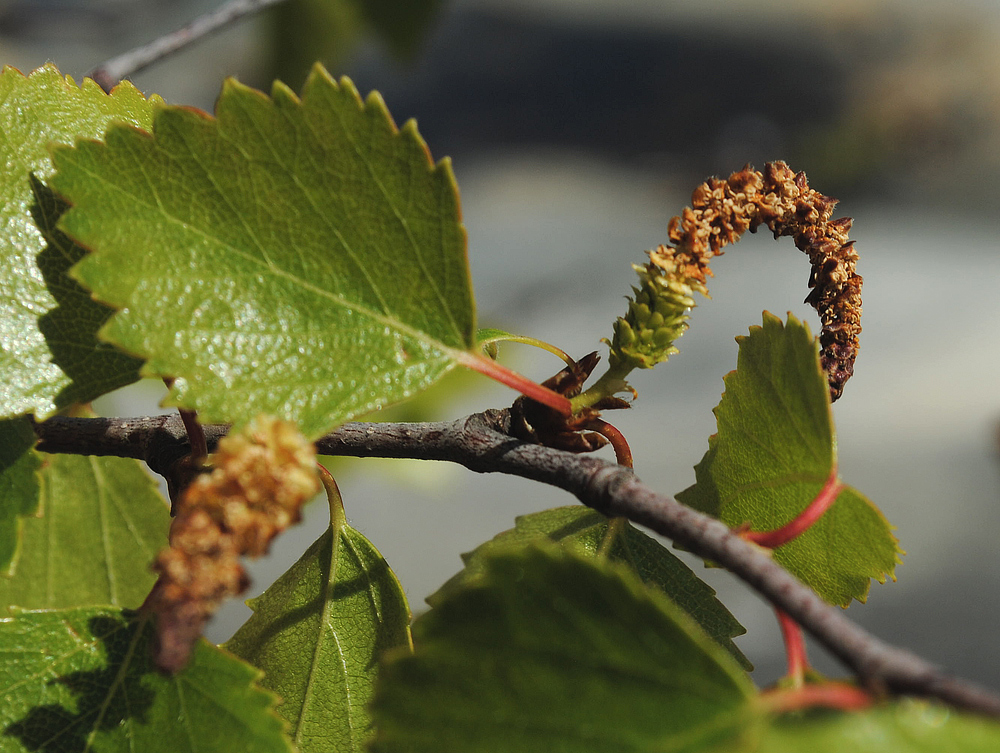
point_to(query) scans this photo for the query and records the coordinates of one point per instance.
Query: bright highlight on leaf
(100, 524)
(547, 650)
(50, 356)
(81, 680)
(774, 451)
(297, 257)
(318, 633)
(587, 532)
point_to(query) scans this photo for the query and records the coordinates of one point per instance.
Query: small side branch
(114, 70)
(480, 442)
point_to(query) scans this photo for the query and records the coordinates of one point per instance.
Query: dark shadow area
(105, 698)
(70, 329)
(378, 576)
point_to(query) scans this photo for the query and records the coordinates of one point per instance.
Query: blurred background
(577, 129)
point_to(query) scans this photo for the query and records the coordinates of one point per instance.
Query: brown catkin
(261, 478)
(722, 210)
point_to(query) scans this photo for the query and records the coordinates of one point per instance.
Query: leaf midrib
(402, 221)
(118, 680)
(321, 629)
(308, 194)
(337, 299)
(306, 123)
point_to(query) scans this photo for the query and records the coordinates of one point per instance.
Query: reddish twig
(623, 453)
(791, 632)
(199, 445)
(795, 648)
(801, 522)
(512, 379)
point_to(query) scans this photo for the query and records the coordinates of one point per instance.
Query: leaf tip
(319, 74)
(346, 85)
(770, 319)
(10, 70)
(283, 93)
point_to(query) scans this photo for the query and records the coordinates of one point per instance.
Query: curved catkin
(722, 210)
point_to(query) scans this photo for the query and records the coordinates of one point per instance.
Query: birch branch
(110, 72)
(480, 443)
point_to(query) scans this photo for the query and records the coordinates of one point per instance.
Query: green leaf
(19, 487)
(81, 680)
(774, 451)
(403, 24)
(303, 259)
(50, 356)
(304, 31)
(101, 522)
(586, 531)
(318, 634)
(550, 651)
(907, 726)
(488, 340)
(491, 334)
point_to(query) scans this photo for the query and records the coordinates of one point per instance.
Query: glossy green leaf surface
(19, 487)
(100, 523)
(550, 651)
(318, 633)
(300, 258)
(907, 726)
(80, 680)
(588, 532)
(50, 356)
(774, 450)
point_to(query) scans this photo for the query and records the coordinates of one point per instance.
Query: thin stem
(614, 530)
(795, 649)
(338, 516)
(110, 72)
(196, 435)
(526, 340)
(610, 383)
(831, 695)
(199, 445)
(512, 379)
(623, 453)
(804, 520)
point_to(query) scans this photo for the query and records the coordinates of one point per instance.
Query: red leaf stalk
(802, 522)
